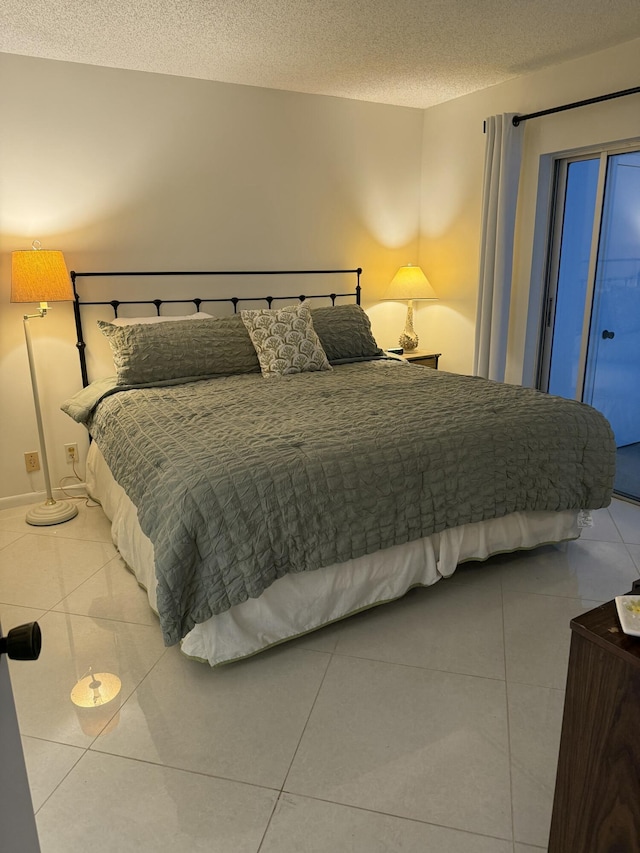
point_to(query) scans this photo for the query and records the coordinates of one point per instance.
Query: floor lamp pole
(51, 511)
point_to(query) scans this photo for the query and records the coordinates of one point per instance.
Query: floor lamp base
(54, 512)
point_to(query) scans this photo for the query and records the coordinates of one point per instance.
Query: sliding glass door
(591, 345)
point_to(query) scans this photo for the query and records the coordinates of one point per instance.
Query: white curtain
(503, 156)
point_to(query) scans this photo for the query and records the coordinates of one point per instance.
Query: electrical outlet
(71, 451)
(32, 461)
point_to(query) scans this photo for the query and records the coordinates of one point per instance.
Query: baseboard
(78, 490)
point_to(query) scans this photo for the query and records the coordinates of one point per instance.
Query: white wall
(452, 188)
(128, 170)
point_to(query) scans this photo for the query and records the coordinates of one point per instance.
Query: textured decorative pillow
(133, 321)
(345, 333)
(285, 340)
(155, 352)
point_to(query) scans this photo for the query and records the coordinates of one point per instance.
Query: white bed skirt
(299, 603)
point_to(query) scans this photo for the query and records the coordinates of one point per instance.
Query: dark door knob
(23, 642)
(607, 334)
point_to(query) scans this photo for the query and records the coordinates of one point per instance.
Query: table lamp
(407, 285)
(39, 275)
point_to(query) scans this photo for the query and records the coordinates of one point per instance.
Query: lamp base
(408, 342)
(51, 512)
(408, 339)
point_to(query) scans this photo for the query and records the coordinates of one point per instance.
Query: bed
(272, 471)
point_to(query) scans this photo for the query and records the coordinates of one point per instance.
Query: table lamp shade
(39, 275)
(410, 283)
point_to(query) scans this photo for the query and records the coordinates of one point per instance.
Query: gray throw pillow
(345, 333)
(155, 352)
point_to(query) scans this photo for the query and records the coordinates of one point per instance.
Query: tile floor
(628, 470)
(431, 724)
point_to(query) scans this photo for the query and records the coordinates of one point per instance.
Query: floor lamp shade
(409, 283)
(39, 275)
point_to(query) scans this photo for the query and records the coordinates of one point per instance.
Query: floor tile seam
(66, 595)
(106, 618)
(523, 768)
(507, 715)
(46, 610)
(271, 816)
(53, 741)
(458, 579)
(511, 680)
(275, 789)
(605, 540)
(66, 538)
(306, 722)
(418, 667)
(540, 686)
(620, 533)
(396, 816)
(89, 539)
(20, 535)
(87, 616)
(120, 707)
(73, 766)
(626, 545)
(60, 537)
(596, 601)
(620, 540)
(57, 603)
(76, 588)
(24, 607)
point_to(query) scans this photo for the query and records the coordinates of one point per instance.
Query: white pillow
(134, 321)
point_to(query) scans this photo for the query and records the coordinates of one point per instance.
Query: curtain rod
(517, 120)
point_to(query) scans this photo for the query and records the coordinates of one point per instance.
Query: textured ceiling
(407, 52)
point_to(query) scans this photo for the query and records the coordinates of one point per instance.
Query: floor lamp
(39, 275)
(407, 285)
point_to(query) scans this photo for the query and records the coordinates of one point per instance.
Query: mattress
(297, 604)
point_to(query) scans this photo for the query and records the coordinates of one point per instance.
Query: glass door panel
(591, 344)
(613, 366)
(612, 378)
(573, 270)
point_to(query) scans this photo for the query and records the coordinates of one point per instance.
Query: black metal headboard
(197, 301)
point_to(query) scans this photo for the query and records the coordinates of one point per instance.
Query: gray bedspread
(239, 480)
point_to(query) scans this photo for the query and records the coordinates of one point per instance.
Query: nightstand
(596, 808)
(427, 359)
